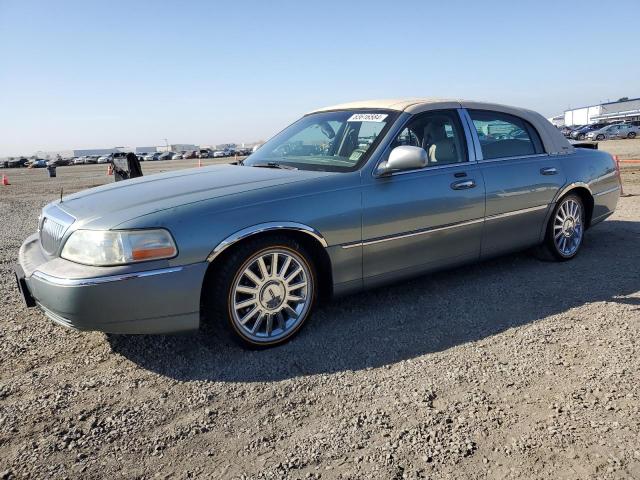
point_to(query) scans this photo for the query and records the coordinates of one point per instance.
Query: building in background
(176, 147)
(141, 150)
(624, 109)
(557, 121)
(77, 153)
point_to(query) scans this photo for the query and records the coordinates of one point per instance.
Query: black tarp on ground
(126, 167)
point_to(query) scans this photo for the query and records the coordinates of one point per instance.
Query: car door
(624, 130)
(521, 180)
(615, 131)
(420, 220)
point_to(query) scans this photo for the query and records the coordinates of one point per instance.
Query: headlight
(118, 247)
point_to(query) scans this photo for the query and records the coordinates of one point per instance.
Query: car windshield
(336, 141)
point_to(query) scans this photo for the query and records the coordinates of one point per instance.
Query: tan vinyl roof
(399, 104)
(553, 140)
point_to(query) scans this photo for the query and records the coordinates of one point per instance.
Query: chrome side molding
(428, 231)
(516, 212)
(608, 190)
(413, 234)
(84, 282)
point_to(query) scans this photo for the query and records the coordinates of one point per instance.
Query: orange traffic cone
(615, 159)
(109, 170)
(5, 180)
(199, 162)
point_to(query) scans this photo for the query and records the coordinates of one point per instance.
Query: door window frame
(476, 139)
(466, 140)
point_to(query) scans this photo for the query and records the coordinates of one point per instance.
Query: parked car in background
(109, 158)
(17, 162)
(252, 247)
(177, 156)
(204, 153)
(91, 159)
(38, 163)
(566, 130)
(627, 130)
(152, 156)
(165, 156)
(618, 130)
(79, 160)
(190, 154)
(219, 154)
(581, 133)
(60, 162)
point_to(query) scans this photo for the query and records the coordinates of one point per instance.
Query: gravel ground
(623, 148)
(511, 368)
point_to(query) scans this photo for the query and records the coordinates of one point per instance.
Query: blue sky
(82, 74)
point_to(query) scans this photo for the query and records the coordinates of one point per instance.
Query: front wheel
(566, 229)
(600, 137)
(264, 292)
(631, 135)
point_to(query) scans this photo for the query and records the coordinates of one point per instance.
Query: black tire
(600, 137)
(219, 283)
(631, 135)
(581, 136)
(549, 250)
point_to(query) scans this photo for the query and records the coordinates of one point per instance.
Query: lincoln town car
(347, 198)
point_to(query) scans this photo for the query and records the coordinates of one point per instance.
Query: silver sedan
(618, 130)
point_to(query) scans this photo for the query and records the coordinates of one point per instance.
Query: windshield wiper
(274, 165)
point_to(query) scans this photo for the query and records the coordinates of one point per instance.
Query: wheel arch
(584, 192)
(313, 241)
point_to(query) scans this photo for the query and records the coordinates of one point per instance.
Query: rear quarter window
(502, 135)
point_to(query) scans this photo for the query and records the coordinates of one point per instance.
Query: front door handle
(549, 171)
(463, 185)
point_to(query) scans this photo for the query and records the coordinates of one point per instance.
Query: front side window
(328, 141)
(439, 133)
(502, 135)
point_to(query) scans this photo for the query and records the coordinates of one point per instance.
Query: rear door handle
(463, 185)
(549, 171)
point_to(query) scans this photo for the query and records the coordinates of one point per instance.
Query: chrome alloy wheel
(271, 295)
(568, 227)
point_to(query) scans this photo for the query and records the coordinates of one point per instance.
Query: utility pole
(166, 142)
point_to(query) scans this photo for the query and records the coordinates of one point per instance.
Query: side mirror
(404, 157)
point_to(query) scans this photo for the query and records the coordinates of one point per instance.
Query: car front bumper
(111, 299)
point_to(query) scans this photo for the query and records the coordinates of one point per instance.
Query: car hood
(117, 202)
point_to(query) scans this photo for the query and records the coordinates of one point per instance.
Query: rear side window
(502, 135)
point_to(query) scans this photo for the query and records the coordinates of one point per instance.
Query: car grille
(53, 226)
(50, 235)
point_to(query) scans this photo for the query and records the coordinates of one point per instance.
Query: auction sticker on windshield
(367, 117)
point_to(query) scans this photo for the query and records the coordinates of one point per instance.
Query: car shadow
(429, 314)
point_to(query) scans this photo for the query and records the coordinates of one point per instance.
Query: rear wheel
(264, 292)
(600, 137)
(566, 229)
(631, 135)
